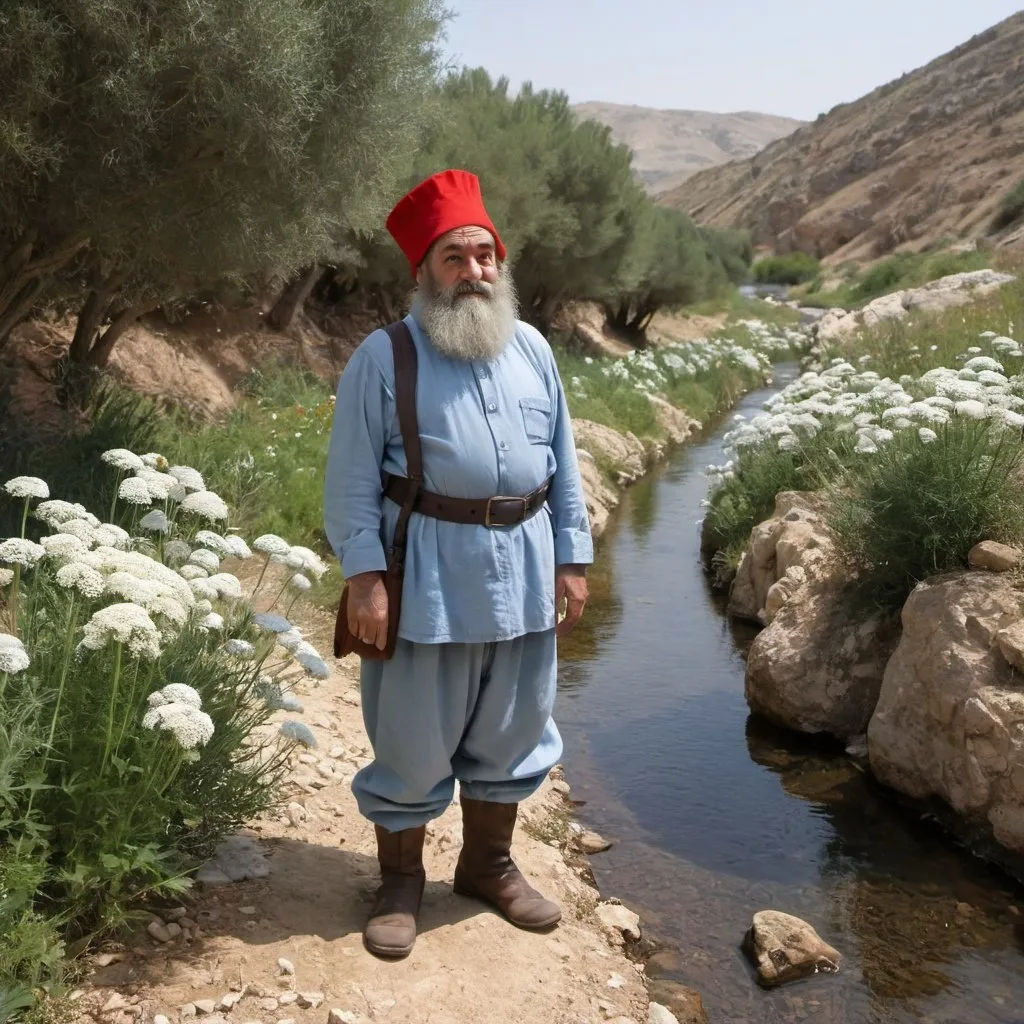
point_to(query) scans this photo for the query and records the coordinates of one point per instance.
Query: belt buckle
(503, 497)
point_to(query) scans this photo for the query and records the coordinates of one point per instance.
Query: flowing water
(715, 815)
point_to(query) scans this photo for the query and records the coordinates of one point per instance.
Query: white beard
(471, 320)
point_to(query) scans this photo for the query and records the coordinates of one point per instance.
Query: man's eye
(452, 259)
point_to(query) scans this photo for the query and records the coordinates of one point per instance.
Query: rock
(950, 716)
(995, 557)
(296, 814)
(186, 1010)
(238, 858)
(310, 1000)
(325, 770)
(174, 914)
(307, 759)
(248, 911)
(114, 1003)
(174, 930)
(784, 948)
(600, 498)
(106, 959)
(742, 595)
(1011, 644)
(161, 1019)
(336, 752)
(205, 1006)
(619, 922)
(683, 1003)
(590, 842)
(285, 966)
(351, 697)
(623, 453)
(159, 931)
(678, 426)
(616, 981)
(562, 787)
(287, 998)
(268, 1003)
(337, 1016)
(658, 1014)
(230, 1001)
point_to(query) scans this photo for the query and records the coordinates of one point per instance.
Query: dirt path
(469, 966)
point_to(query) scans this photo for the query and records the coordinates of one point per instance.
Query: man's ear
(421, 272)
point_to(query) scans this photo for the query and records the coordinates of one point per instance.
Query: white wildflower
(971, 409)
(300, 582)
(214, 541)
(13, 656)
(121, 458)
(175, 693)
(271, 623)
(110, 535)
(290, 559)
(154, 460)
(229, 588)
(313, 664)
(192, 572)
(203, 607)
(16, 551)
(63, 545)
(290, 639)
(202, 590)
(135, 491)
(127, 624)
(56, 511)
(6, 577)
(205, 504)
(1013, 419)
(212, 621)
(926, 435)
(240, 648)
(190, 727)
(177, 493)
(27, 487)
(80, 528)
(865, 445)
(176, 551)
(81, 577)
(159, 484)
(205, 559)
(156, 522)
(108, 559)
(131, 588)
(271, 544)
(168, 607)
(237, 546)
(191, 479)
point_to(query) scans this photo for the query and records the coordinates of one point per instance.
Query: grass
(791, 268)
(901, 271)
(737, 307)
(1011, 209)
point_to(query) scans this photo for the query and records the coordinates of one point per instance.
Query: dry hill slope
(926, 156)
(670, 145)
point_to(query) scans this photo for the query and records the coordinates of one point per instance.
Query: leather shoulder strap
(403, 349)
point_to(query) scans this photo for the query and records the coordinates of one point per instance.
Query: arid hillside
(928, 156)
(671, 145)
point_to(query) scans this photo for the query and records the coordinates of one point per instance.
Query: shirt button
(491, 407)
(503, 445)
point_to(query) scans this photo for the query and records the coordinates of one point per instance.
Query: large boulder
(785, 948)
(600, 498)
(817, 667)
(623, 453)
(677, 423)
(949, 721)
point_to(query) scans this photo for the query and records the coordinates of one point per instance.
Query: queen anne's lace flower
(214, 542)
(312, 663)
(55, 511)
(190, 727)
(159, 484)
(312, 563)
(155, 522)
(240, 648)
(81, 577)
(205, 504)
(300, 582)
(121, 458)
(175, 693)
(237, 547)
(229, 588)
(290, 639)
(154, 460)
(27, 487)
(169, 608)
(110, 535)
(271, 623)
(6, 577)
(127, 624)
(176, 552)
(191, 479)
(135, 491)
(926, 435)
(271, 544)
(108, 560)
(192, 572)
(16, 551)
(207, 560)
(13, 656)
(203, 607)
(212, 621)
(299, 732)
(63, 545)
(80, 528)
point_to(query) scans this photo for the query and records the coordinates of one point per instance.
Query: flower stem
(262, 574)
(278, 598)
(15, 591)
(110, 713)
(68, 636)
(113, 497)
(291, 605)
(24, 518)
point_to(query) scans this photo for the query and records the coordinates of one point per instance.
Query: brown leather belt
(500, 510)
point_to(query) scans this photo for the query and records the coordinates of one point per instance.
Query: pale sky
(792, 57)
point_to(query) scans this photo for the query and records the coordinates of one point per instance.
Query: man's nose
(471, 270)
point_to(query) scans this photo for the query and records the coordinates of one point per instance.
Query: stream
(716, 815)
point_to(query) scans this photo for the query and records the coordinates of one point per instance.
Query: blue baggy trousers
(434, 713)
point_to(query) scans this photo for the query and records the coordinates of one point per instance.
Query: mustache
(468, 288)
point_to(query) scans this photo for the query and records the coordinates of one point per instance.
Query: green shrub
(1011, 208)
(106, 799)
(912, 509)
(793, 268)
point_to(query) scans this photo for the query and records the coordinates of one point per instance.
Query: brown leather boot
(486, 870)
(391, 929)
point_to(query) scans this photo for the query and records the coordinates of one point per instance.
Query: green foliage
(913, 510)
(792, 268)
(100, 808)
(1011, 208)
(152, 148)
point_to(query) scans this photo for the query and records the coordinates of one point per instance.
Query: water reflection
(716, 814)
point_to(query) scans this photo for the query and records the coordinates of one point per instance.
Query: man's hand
(368, 608)
(570, 587)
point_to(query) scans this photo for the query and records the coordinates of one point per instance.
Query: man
(469, 692)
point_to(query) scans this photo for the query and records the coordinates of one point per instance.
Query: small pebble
(351, 698)
(173, 929)
(114, 1003)
(106, 959)
(159, 931)
(285, 966)
(307, 758)
(616, 981)
(161, 1019)
(186, 1010)
(336, 751)
(287, 998)
(175, 914)
(325, 770)
(269, 1004)
(230, 1001)
(248, 911)
(296, 813)
(561, 787)
(310, 1000)
(205, 1006)
(337, 1016)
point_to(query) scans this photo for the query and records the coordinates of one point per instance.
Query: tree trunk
(99, 354)
(282, 316)
(90, 316)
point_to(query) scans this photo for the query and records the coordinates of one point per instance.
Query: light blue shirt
(486, 428)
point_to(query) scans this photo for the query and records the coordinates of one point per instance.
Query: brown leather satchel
(404, 351)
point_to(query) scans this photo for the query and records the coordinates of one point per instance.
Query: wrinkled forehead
(460, 239)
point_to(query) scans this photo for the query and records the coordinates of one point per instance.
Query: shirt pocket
(536, 419)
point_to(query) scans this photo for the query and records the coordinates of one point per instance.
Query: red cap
(445, 201)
